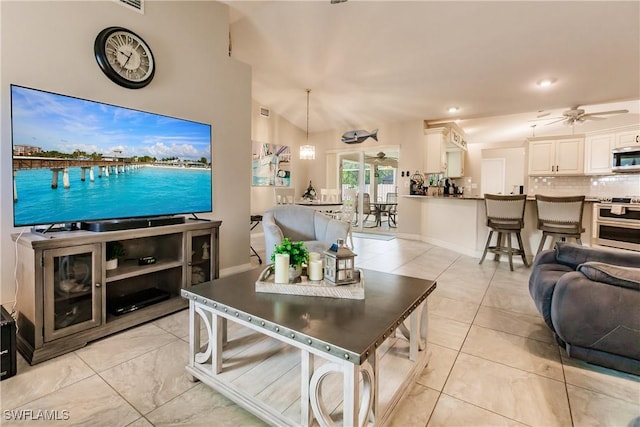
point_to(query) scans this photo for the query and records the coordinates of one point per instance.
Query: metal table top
(339, 326)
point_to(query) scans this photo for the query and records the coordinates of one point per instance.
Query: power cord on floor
(14, 313)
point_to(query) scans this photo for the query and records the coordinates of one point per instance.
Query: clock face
(124, 57)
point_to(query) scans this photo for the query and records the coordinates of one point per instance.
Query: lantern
(339, 265)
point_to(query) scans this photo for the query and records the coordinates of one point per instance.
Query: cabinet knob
(98, 285)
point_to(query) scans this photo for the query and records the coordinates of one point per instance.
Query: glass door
(373, 173)
(350, 177)
(72, 291)
(382, 167)
(201, 250)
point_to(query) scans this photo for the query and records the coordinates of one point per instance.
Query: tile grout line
(461, 345)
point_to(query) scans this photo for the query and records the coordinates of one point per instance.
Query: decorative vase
(294, 272)
(112, 264)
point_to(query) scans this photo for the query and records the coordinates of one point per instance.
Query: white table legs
(360, 403)
(417, 332)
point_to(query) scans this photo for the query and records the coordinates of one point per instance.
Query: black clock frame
(107, 69)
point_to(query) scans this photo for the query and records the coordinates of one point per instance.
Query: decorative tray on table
(304, 286)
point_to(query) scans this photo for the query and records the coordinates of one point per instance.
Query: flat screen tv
(78, 160)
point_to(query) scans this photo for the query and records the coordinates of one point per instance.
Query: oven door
(618, 230)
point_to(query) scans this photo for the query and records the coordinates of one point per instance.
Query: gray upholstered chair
(589, 298)
(301, 223)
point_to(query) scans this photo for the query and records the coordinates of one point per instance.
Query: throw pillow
(627, 277)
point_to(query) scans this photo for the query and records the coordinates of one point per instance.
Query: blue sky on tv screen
(65, 124)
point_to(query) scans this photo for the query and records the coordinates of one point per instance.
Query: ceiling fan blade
(545, 118)
(590, 117)
(556, 121)
(600, 113)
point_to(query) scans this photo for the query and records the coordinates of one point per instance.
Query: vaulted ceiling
(372, 62)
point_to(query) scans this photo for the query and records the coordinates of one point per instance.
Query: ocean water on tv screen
(79, 160)
(146, 191)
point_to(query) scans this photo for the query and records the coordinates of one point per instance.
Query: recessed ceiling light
(453, 109)
(546, 82)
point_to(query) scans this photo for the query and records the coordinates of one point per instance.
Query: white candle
(315, 270)
(282, 268)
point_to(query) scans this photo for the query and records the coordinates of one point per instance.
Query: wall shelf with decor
(67, 297)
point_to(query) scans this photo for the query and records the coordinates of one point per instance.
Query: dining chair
(348, 211)
(392, 210)
(559, 217)
(331, 195)
(366, 207)
(505, 214)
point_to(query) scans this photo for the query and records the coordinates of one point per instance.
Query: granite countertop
(588, 199)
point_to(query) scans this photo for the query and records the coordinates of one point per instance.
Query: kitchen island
(459, 223)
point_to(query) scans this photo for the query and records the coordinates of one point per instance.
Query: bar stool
(505, 214)
(559, 217)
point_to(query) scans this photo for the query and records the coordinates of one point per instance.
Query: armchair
(589, 298)
(301, 223)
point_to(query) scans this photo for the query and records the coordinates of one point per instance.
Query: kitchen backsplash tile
(618, 185)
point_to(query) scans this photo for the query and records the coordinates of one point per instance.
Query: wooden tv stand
(67, 297)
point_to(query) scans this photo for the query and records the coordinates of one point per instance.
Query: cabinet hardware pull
(98, 285)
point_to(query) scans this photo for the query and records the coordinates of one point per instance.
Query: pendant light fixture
(307, 151)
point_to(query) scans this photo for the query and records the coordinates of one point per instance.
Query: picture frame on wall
(271, 165)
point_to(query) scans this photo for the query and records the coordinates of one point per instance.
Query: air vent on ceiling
(264, 112)
(137, 5)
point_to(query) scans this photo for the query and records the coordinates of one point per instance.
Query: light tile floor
(493, 362)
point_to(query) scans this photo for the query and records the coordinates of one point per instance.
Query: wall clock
(124, 57)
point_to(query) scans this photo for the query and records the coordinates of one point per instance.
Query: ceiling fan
(579, 115)
(382, 159)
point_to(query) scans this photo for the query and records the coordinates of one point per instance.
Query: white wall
(514, 173)
(276, 130)
(49, 46)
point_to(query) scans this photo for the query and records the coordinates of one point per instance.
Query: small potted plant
(298, 255)
(115, 250)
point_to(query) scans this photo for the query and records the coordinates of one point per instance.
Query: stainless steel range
(617, 223)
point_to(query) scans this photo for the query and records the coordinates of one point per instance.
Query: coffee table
(345, 333)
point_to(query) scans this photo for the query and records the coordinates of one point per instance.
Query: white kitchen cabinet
(628, 138)
(455, 163)
(435, 160)
(597, 153)
(557, 156)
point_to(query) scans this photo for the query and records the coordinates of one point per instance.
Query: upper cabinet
(435, 150)
(444, 143)
(628, 138)
(556, 156)
(597, 154)
(455, 163)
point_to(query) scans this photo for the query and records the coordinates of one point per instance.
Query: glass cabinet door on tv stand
(72, 291)
(202, 257)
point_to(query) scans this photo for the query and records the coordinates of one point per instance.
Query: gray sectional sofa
(590, 298)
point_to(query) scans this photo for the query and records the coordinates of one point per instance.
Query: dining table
(383, 207)
(328, 208)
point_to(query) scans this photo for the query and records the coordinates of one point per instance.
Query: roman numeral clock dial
(124, 57)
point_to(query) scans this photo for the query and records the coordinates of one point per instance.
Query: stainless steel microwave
(625, 159)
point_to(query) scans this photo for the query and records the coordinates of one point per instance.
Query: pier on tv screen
(80, 160)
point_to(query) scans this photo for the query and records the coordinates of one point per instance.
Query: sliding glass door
(373, 174)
